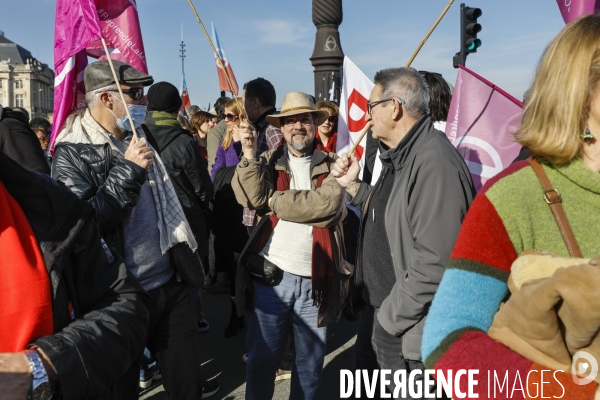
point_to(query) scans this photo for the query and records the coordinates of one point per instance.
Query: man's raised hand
(248, 136)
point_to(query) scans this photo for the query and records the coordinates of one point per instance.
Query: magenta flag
(76, 25)
(573, 9)
(481, 124)
(121, 29)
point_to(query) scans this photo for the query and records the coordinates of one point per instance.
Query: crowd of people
(108, 243)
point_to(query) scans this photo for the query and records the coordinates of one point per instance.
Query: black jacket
(187, 170)
(18, 141)
(109, 183)
(111, 309)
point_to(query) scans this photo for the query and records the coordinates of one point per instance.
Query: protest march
(391, 232)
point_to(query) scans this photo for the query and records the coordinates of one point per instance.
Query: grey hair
(92, 97)
(408, 85)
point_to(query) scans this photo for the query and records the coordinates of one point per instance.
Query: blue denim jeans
(269, 323)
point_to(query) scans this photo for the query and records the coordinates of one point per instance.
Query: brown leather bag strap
(554, 200)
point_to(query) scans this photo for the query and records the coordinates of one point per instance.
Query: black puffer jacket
(111, 184)
(92, 351)
(187, 170)
(18, 141)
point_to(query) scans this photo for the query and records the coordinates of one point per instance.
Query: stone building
(24, 81)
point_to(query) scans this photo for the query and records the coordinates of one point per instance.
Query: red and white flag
(185, 97)
(481, 124)
(356, 89)
(79, 26)
(223, 85)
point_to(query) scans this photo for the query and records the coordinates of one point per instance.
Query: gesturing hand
(248, 136)
(345, 170)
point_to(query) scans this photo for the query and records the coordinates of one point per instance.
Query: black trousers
(172, 340)
(377, 349)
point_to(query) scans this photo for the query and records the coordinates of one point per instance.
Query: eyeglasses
(293, 120)
(370, 104)
(135, 93)
(331, 120)
(231, 117)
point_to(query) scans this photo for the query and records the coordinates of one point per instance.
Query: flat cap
(98, 75)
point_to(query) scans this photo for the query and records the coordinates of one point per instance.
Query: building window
(19, 84)
(18, 100)
(0, 83)
(1, 98)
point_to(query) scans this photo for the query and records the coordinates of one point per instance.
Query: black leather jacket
(109, 183)
(186, 168)
(91, 352)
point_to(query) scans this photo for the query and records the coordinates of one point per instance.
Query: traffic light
(469, 28)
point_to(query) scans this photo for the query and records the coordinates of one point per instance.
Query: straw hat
(297, 103)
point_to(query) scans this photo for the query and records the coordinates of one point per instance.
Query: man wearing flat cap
(138, 214)
(292, 268)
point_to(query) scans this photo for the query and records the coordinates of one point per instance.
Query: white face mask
(138, 115)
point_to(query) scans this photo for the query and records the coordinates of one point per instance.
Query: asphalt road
(222, 357)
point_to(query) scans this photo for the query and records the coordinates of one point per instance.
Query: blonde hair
(556, 110)
(234, 106)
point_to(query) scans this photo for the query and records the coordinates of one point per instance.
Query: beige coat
(553, 311)
(322, 207)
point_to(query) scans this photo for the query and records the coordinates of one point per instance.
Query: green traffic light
(473, 44)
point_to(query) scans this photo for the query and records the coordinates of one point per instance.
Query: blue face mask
(138, 114)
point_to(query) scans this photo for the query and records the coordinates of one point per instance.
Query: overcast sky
(275, 38)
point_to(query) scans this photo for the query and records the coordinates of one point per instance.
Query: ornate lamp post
(327, 57)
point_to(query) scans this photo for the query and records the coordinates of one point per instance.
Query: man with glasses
(411, 218)
(42, 129)
(99, 159)
(299, 235)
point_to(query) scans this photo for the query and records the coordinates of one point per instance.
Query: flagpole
(235, 95)
(362, 135)
(112, 68)
(435, 24)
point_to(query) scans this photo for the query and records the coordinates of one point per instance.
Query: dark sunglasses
(332, 120)
(135, 93)
(231, 117)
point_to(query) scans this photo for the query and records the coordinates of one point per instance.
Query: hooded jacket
(432, 192)
(18, 141)
(92, 348)
(186, 168)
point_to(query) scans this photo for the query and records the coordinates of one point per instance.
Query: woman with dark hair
(200, 123)
(440, 96)
(327, 137)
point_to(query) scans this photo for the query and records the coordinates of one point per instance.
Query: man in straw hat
(138, 213)
(412, 216)
(297, 242)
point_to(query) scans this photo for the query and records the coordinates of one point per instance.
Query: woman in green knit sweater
(510, 215)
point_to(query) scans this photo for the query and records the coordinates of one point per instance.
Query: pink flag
(356, 89)
(481, 122)
(573, 9)
(76, 25)
(121, 28)
(223, 85)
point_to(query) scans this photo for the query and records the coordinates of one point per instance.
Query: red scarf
(25, 289)
(331, 143)
(322, 255)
